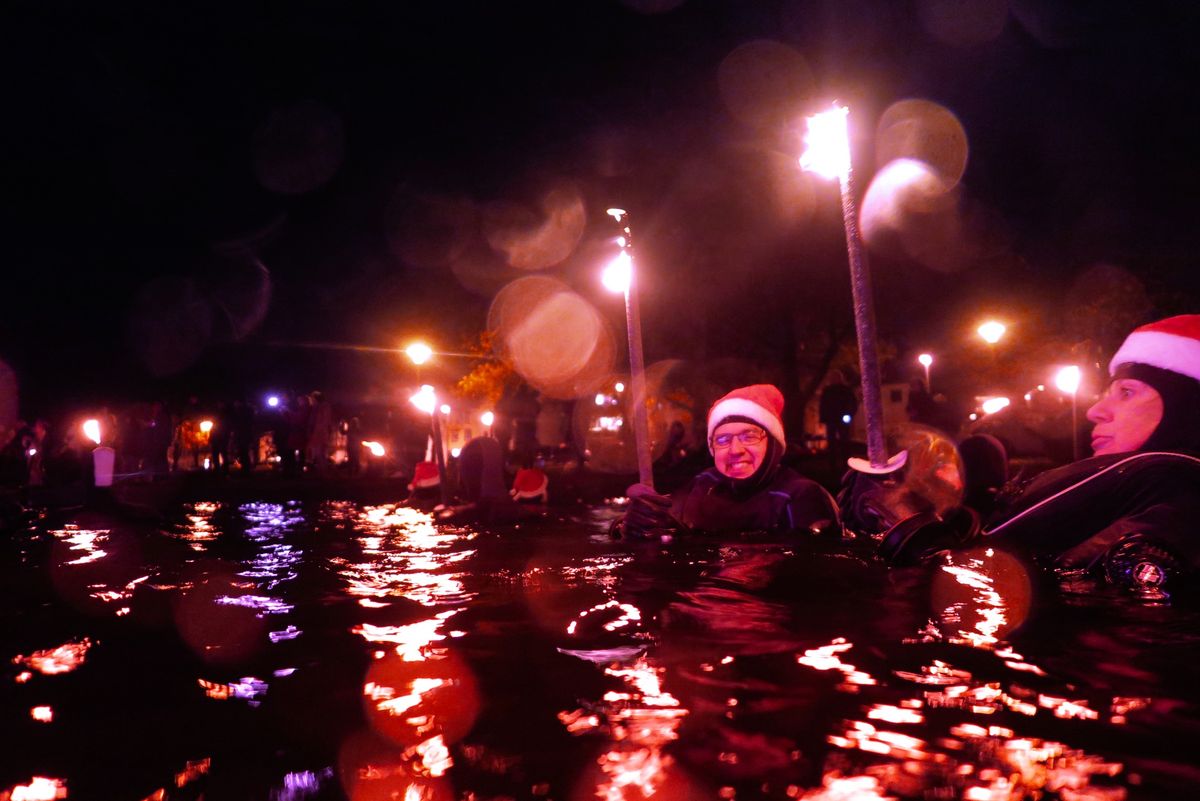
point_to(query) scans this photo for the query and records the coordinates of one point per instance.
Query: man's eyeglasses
(751, 436)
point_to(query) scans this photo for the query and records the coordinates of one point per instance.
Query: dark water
(333, 650)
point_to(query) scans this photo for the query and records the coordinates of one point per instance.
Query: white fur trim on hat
(744, 407)
(1168, 345)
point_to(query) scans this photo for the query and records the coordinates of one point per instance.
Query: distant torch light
(455, 452)
(419, 353)
(425, 399)
(925, 359)
(1041, 387)
(993, 405)
(973, 416)
(273, 401)
(616, 214)
(600, 399)
(91, 430)
(846, 419)
(42, 714)
(32, 452)
(487, 418)
(827, 144)
(1067, 379)
(617, 274)
(1028, 396)
(619, 387)
(992, 331)
(206, 426)
(445, 408)
(375, 448)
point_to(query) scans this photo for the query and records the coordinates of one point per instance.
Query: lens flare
(536, 238)
(298, 148)
(555, 339)
(764, 82)
(430, 231)
(963, 24)
(924, 131)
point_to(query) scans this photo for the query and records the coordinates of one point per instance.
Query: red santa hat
(1171, 344)
(761, 403)
(530, 483)
(425, 474)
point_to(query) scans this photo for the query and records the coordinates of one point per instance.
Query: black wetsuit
(788, 501)
(1089, 514)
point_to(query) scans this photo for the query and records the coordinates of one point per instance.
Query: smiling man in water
(746, 489)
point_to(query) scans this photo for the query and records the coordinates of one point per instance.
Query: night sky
(198, 189)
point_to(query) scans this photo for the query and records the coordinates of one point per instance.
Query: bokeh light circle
(298, 148)
(429, 231)
(764, 83)
(532, 238)
(410, 701)
(925, 131)
(554, 338)
(963, 24)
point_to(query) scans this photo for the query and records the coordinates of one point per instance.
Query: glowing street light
(993, 405)
(827, 153)
(992, 331)
(925, 360)
(418, 353)
(620, 276)
(1068, 379)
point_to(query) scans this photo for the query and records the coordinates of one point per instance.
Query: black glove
(649, 513)
(921, 537)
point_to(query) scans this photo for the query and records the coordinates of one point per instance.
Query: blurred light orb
(618, 273)
(376, 449)
(536, 238)
(206, 426)
(652, 6)
(430, 231)
(619, 386)
(424, 399)
(924, 131)
(9, 395)
(298, 148)
(993, 405)
(925, 359)
(764, 83)
(273, 401)
(91, 430)
(445, 408)
(1067, 379)
(909, 211)
(554, 338)
(601, 399)
(418, 353)
(963, 24)
(487, 418)
(992, 331)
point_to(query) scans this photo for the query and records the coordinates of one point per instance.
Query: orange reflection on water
(40, 788)
(406, 556)
(641, 722)
(85, 540)
(412, 641)
(982, 595)
(198, 530)
(826, 658)
(62, 659)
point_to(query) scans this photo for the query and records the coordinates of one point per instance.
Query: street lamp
(926, 359)
(620, 276)
(425, 399)
(827, 153)
(1067, 379)
(418, 353)
(992, 331)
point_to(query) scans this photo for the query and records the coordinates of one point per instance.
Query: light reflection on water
(681, 671)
